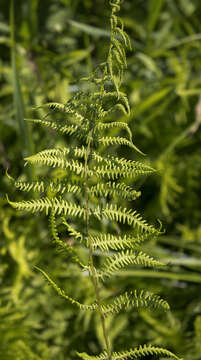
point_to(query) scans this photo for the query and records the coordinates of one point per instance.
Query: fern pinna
(93, 187)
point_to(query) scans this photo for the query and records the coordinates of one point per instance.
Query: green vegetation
(46, 47)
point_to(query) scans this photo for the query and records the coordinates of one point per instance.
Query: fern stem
(93, 272)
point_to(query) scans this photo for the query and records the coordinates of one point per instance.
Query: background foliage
(45, 47)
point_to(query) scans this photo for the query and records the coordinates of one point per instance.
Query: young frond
(60, 206)
(113, 189)
(123, 215)
(136, 299)
(105, 242)
(63, 294)
(129, 257)
(116, 59)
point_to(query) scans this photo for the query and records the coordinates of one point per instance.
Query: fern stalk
(91, 250)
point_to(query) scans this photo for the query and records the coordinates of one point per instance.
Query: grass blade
(24, 128)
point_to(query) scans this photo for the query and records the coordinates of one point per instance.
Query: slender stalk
(93, 271)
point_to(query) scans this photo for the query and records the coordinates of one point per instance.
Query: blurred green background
(45, 47)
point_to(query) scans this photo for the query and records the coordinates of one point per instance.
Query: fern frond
(59, 152)
(106, 242)
(124, 101)
(45, 204)
(123, 215)
(136, 353)
(42, 186)
(64, 108)
(52, 106)
(118, 261)
(124, 37)
(122, 164)
(113, 124)
(63, 294)
(113, 189)
(44, 158)
(130, 164)
(50, 152)
(142, 351)
(110, 140)
(137, 299)
(62, 244)
(115, 172)
(64, 129)
(54, 230)
(28, 186)
(115, 96)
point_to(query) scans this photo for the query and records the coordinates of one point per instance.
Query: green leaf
(150, 101)
(88, 29)
(155, 7)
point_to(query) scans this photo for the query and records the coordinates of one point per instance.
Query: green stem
(93, 271)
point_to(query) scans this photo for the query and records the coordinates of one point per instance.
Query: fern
(99, 180)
